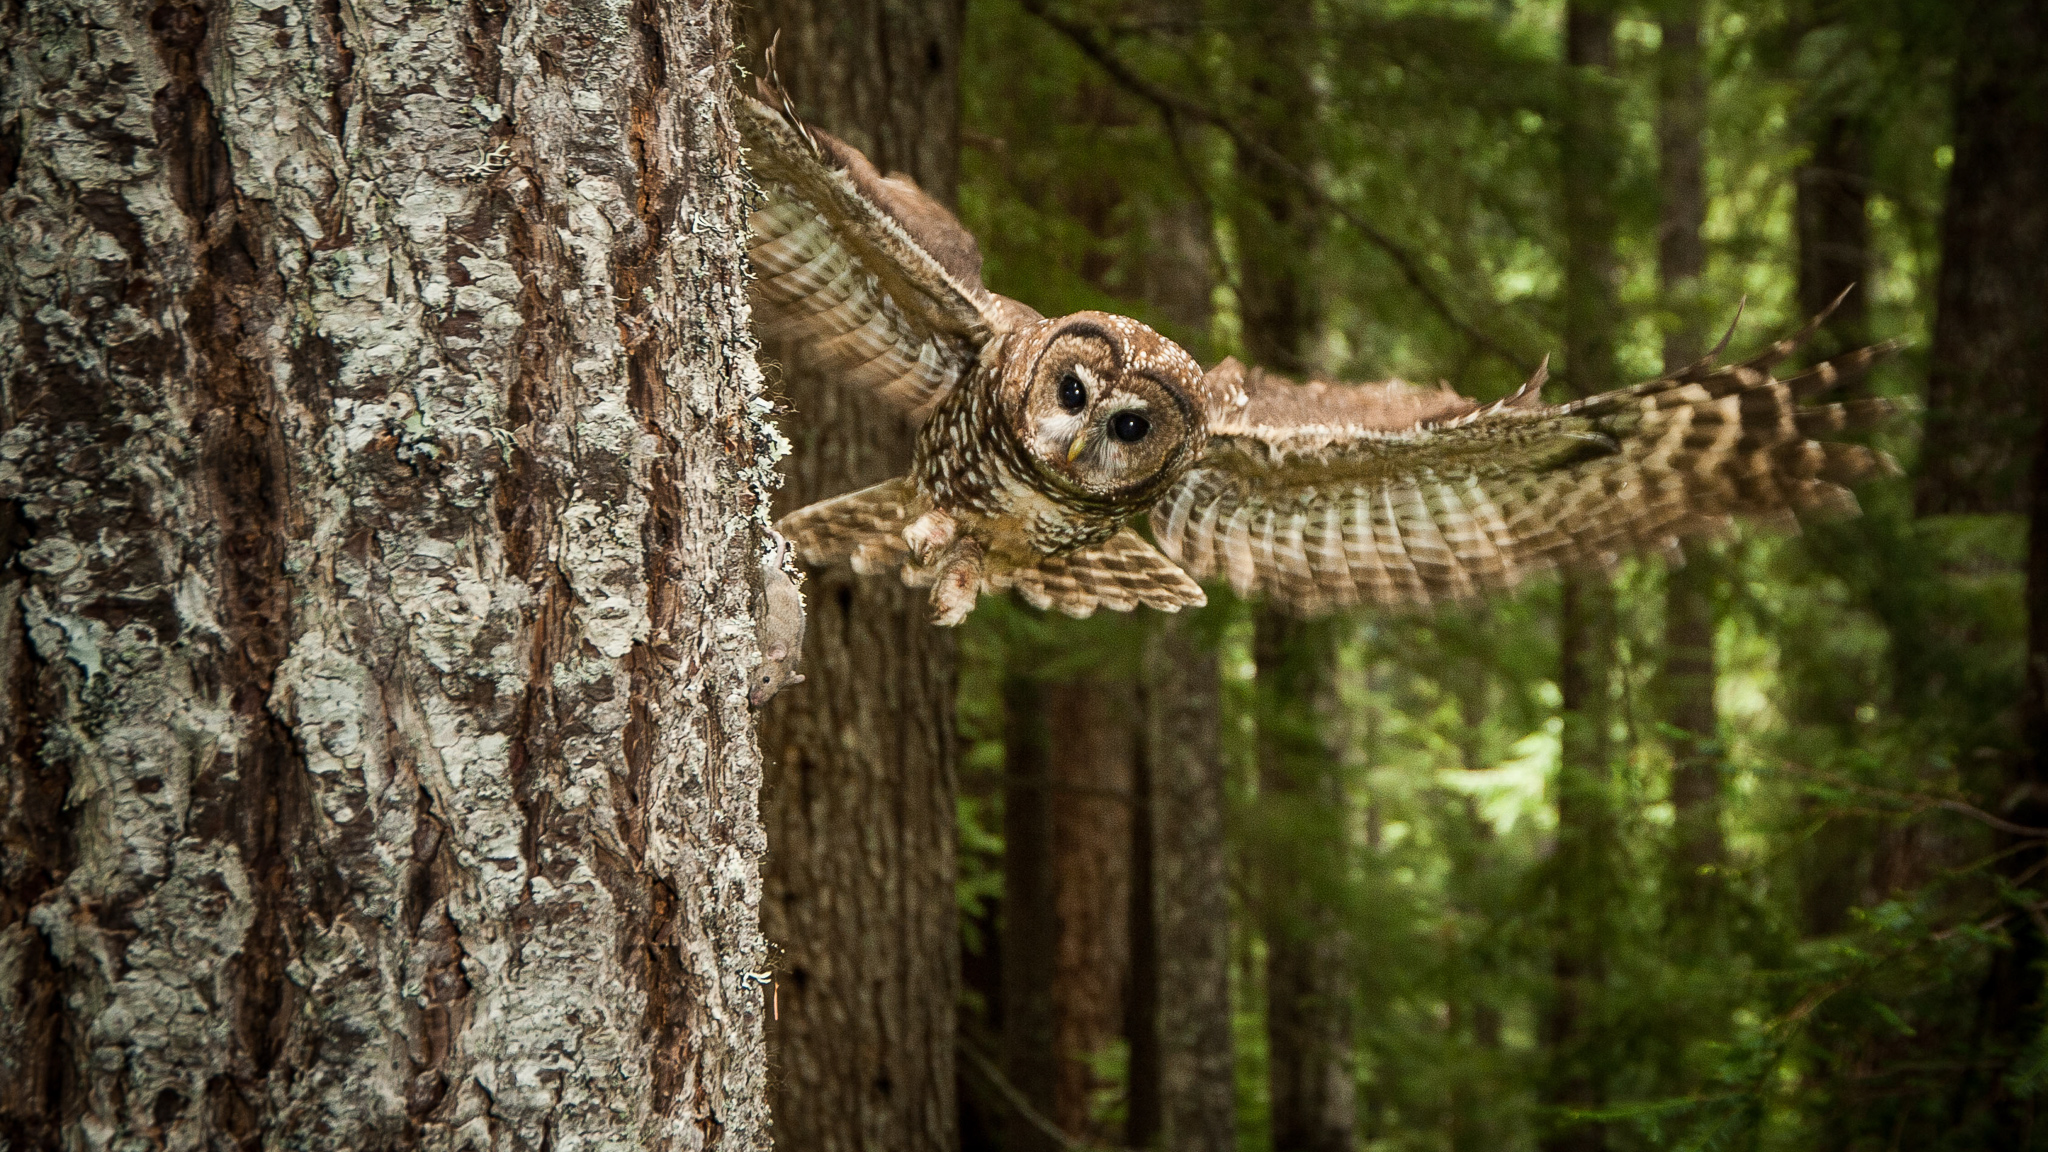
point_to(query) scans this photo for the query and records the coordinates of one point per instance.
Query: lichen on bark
(384, 464)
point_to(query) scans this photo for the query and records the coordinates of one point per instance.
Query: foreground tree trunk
(381, 536)
(862, 763)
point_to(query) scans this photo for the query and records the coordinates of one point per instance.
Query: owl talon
(957, 583)
(929, 535)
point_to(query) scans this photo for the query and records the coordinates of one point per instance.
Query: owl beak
(1080, 442)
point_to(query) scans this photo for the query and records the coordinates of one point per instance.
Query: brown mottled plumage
(1042, 438)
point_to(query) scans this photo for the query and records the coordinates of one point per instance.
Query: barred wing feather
(1319, 514)
(862, 275)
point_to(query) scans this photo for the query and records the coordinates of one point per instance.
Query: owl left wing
(1322, 496)
(862, 274)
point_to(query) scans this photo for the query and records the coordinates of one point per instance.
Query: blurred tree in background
(1742, 855)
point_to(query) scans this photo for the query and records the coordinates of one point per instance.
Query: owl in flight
(1041, 438)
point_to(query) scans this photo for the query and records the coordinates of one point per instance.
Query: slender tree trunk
(1990, 328)
(1094, 751)
(1143, 1104)
(1030, 945)
(1184, 766)
(1581, 868)
(1831, 211)
(380, 536)
(1279, 224)
(862, 758)
(1309, 1076)
(1182, 1074)
(1689, 590)
(2015, 998)
(1308, 969)
(1104, 987)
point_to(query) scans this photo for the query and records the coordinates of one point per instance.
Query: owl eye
(1129, 427)
(1072, 394)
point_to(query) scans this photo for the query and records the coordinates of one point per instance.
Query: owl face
(1104, 404)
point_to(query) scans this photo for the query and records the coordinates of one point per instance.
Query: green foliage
(1869, 670)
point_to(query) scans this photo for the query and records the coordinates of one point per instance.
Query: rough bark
(1312, 1085)
(1191, 905)
(383, 487)
(1990, 325)
(862, 759)
(1580, 868)
(1689, 590)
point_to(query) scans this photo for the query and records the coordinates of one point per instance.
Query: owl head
(1104, 406)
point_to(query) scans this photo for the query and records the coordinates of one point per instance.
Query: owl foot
(957, 582)
(929, 535)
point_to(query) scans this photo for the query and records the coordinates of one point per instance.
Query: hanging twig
(1171, 104)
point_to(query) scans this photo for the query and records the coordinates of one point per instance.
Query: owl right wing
(1322, 496)
(863, 275)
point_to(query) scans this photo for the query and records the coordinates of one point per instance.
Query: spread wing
(860, 274)
(1322, 496)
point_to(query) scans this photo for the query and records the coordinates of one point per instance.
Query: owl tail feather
(864, 528)
(1120, 574)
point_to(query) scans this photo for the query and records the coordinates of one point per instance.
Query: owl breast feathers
(1042, 439)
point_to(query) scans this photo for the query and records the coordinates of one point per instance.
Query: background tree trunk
(1093, 734)
(1990, 358)
(1143, 1104)
(1689, 589)
(1308, 986)
(1582, 882)
(862, 758)
(382, 484)
(1072, 748)
(1308, 972)
(1191, 903)
(1990, 342)
(1831, 210)
(1031, 929)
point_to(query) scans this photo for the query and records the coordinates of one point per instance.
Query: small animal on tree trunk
(1043, 438)
(780, 631)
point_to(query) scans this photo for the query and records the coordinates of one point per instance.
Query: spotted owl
(1042, 439)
